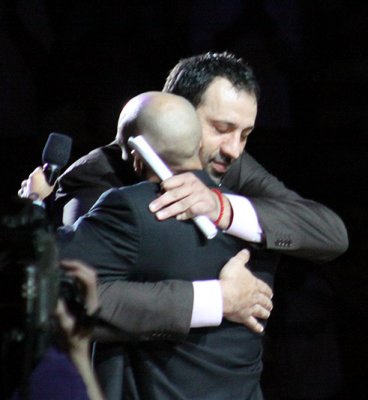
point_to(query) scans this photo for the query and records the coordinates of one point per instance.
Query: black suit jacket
(124, 241)
(152, 310)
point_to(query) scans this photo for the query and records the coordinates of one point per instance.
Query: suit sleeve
(291, 224)
(107, 238)
(145, 311)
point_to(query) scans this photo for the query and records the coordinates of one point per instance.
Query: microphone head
(57, 150)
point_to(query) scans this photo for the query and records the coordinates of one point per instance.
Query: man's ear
(138, 164)
(124, 153)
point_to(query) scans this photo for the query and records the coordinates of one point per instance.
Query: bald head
(168, 122)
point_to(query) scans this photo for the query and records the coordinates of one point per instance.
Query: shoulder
(95, 160)
(102, 167)
(133, 195)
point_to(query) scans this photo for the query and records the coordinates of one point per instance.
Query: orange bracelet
(222, 205)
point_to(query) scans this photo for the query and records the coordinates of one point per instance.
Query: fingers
(263, 288)
(252, 320)
(258, 311)
(246, 299)
(77, 339)
(185, 197)
(179, 180)
(171, 204)
(66, 321)
(253, 324)
(87, 276)
(80, 270)
(35, 184)
(264, 302)
(174, 191)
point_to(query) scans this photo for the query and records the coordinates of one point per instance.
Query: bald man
(124, 241)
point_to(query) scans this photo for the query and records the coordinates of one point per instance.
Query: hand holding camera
(83, 293)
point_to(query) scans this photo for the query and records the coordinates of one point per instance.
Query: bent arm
(145, 311)
(291, 224)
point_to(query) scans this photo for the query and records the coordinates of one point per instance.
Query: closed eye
(224, 127)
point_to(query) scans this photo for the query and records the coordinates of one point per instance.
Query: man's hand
(245, 298)
(87, 277)
(185, 197)
(36, 186)
(78, 339)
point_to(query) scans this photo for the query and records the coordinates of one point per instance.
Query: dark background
(69, 65)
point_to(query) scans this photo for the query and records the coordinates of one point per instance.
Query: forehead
(222, 101)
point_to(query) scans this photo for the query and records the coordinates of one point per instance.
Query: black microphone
(55, 155)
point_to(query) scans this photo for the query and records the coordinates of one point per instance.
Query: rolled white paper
(139, 144)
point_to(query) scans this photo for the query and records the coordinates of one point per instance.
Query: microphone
(55, 155)
(139, 144)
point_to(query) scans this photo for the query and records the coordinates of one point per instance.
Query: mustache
(220, 158)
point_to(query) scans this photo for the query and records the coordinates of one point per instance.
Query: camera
(31, 282)
(72, 292)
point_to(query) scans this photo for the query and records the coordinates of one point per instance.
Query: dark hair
(191, 77)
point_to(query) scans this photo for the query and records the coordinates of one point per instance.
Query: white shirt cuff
(245, 223)
(207, 304)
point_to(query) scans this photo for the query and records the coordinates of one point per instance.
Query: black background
(69, 65)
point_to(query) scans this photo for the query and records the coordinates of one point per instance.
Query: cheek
(208, 148)
(210, 141)
(242, 145)
(203, 155)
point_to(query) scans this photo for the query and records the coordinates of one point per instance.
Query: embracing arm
(266, 211)
(296, 226)
(144, 311)
(163, 309)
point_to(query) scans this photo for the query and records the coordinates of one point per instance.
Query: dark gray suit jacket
(292, 225)
(124, 241)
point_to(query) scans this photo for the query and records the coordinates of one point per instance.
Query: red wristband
(222, 205)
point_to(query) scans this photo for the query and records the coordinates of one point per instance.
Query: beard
(217, 165)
